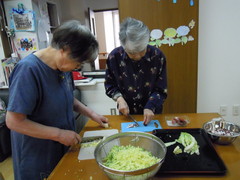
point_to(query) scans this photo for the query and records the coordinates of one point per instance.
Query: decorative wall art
(172, 36)
(26, 44)
(21, 19)
(191, 2)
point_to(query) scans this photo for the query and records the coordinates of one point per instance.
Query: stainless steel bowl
(222, 132)
(146, 141)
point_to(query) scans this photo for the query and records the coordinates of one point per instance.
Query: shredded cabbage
(129, 158)
(90, 144)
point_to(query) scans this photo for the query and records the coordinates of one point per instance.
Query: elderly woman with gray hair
(136, 72)
(41, 102)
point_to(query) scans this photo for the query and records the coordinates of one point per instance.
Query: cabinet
(93, 95)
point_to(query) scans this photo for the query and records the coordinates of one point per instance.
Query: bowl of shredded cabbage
(130, 155)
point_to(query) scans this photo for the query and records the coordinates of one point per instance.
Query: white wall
(219, 61)
(99, 16)
(78, 9)
(74, 9)
(107, 27)
(109, 32)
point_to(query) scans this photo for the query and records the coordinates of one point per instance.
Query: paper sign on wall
(26, 44)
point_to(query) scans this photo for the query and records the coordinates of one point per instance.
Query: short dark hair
(78, 38)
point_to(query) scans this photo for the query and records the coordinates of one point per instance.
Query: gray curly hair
(134, 35)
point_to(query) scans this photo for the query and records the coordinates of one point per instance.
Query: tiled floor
(6, 168)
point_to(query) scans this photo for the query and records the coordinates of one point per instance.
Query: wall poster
(23, 21)
(26, 44)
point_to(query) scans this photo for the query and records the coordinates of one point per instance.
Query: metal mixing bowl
(222, 132)
(146, 141)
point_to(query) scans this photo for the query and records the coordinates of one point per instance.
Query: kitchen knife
(130, 117)
(91, 139)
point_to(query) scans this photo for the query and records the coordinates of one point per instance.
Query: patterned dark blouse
(143, 83)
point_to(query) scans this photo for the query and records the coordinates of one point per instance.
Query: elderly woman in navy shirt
(41, 102)
(136, 72)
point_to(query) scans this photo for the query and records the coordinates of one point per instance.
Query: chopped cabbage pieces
(129, 158)
(177, 150)
(170, 143)
(188, 141)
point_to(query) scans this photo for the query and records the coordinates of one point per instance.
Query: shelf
(91, 83)
(4, 87)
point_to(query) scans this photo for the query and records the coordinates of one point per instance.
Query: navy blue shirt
(45, 96)
(143, 83)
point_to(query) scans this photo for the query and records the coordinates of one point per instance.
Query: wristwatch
(116, 96)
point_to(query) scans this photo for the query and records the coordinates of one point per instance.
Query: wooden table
(70, 168)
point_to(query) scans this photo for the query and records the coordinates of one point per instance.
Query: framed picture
(23, 22)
